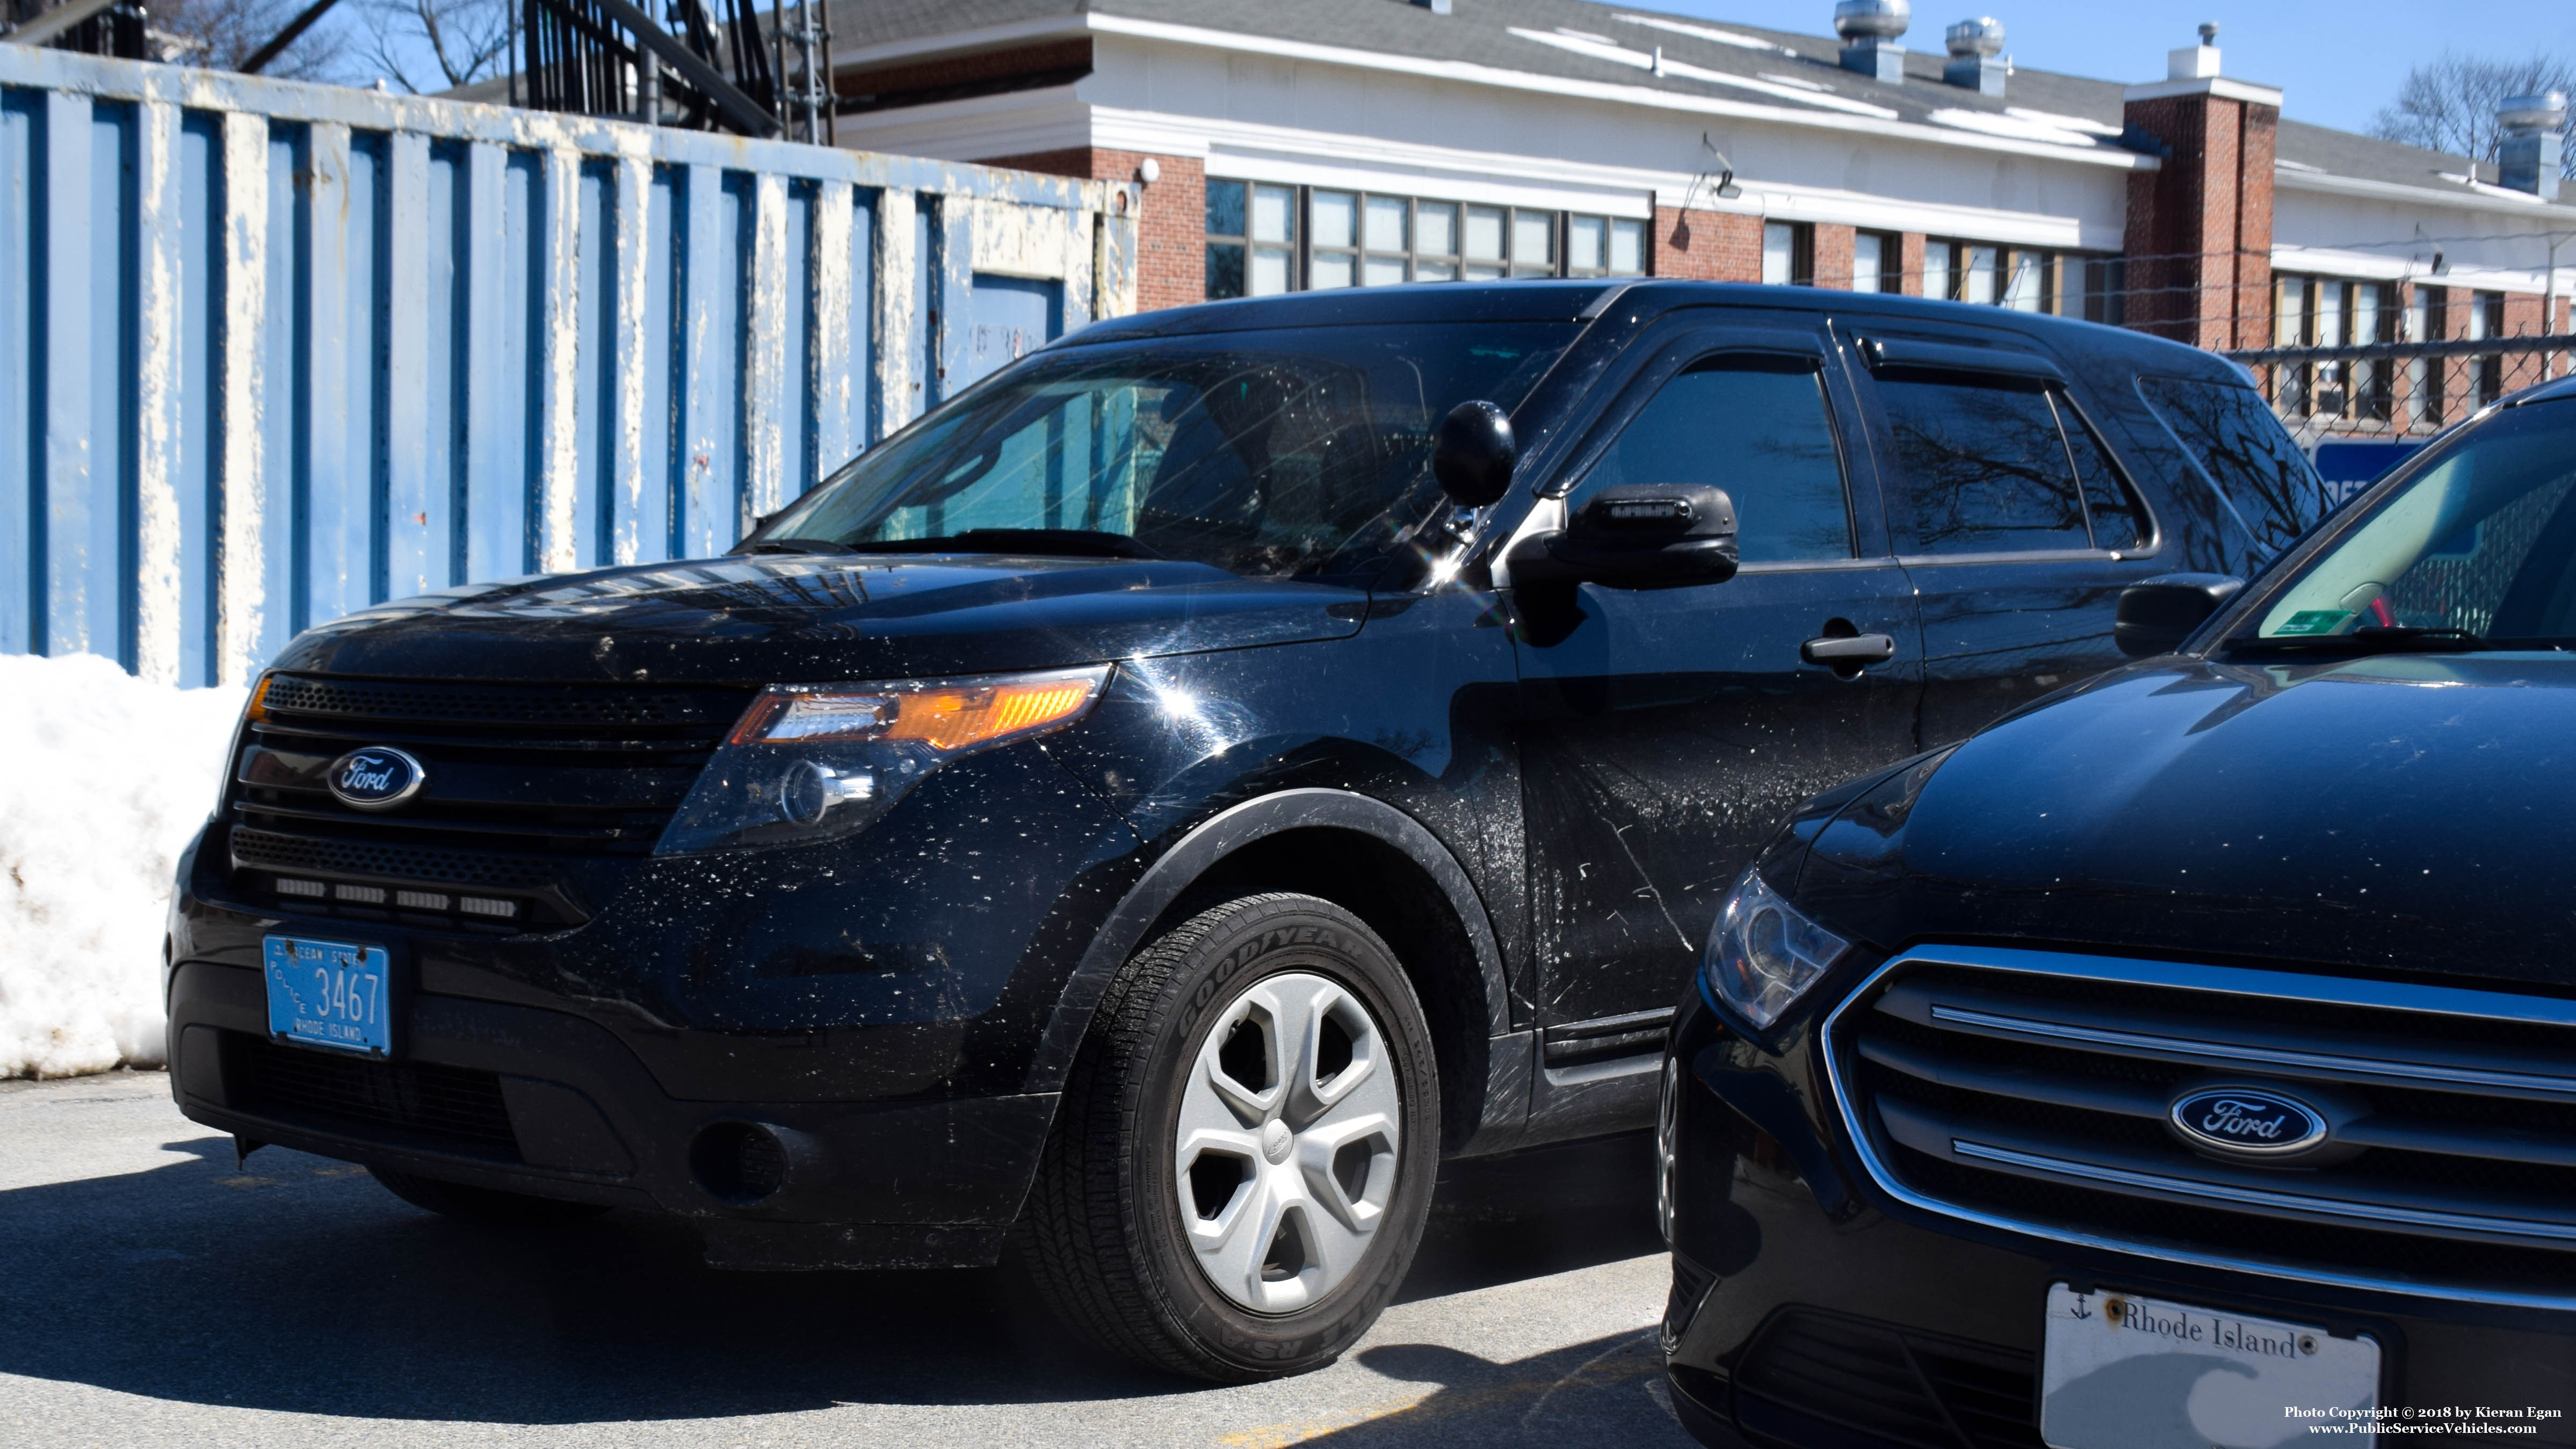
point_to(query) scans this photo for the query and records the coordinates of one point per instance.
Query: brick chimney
(2199, 237)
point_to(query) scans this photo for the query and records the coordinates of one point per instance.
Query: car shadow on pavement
(297, 1284)
(1608, 1391)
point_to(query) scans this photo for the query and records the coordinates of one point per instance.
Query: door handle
(1849, 651)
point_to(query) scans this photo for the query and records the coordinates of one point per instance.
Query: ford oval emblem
(2247, 1121)
(376, 778)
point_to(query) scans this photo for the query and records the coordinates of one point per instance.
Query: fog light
(487, 906)
(740, 1162)
(286, 887)
(363, 895)
(421, 900)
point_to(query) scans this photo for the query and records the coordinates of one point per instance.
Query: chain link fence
(2398, 391)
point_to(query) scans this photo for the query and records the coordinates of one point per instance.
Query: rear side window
(2118, 521)
(2258, 472)
(1757, 428)
(1994, 466)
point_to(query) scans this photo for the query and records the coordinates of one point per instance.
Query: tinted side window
(2259, 473)
(1760, 431)
(2118, 520)
(1980, 469)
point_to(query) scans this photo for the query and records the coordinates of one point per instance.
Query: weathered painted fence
(270, 352)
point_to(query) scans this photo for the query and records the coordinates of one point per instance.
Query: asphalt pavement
(151, 1292)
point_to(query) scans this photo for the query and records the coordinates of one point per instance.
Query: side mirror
(1637, 536)
(1472, 454)
(2155, 615)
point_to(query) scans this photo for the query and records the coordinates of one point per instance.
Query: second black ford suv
(1149, 811)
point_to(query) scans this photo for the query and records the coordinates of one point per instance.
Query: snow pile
(105, 779)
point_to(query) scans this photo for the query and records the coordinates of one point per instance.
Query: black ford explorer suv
(1152, 809)
(2189, 1060)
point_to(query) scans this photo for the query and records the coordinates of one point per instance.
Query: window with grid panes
(1251, 239)
(2095, 289)
(1480, 245)
(2486, 319)
(1264, 238)
(1533, 242)
(1435, 241)
(1604, 246)
(1332, 239)
(1875, 259)
(1788, 254)
(2332, 312)
(1359, 238)
(2025, 279)
(2426, 319)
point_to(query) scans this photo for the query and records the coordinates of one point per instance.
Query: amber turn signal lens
(946, 715)
(259, 699)
(952, 719)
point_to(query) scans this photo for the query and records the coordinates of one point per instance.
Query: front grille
(1691, 1283)
(406, 1104)
(545, 793)
(2035, 1088)
(312, 856)
(370, 700)
(1927, 1391)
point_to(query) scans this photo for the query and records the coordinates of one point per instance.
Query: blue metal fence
(270, 352)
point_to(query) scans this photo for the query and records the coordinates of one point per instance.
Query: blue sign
(329, 994)
(2348, 468)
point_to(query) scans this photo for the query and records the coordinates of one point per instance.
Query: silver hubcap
(1286, 1142)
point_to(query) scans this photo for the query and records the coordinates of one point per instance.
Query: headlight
(254, 711)
(1763, 955)
(811, 762)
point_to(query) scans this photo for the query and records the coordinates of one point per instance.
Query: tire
(482, 1204)
(1195, 1225)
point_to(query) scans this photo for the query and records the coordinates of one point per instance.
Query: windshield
(1281, 454)
(2476, 549)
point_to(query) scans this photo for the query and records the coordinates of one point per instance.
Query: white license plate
(2125, 1372)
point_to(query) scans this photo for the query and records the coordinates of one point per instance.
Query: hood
(795, 618)
(2404, 812)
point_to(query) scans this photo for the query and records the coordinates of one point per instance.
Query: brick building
(1320, 143)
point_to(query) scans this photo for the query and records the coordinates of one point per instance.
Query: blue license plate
(329, 994)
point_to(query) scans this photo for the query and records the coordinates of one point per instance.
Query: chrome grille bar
(2453, 1121)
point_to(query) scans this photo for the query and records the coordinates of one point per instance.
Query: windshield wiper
(1035, 542)
(2375, 639)
(800, 545)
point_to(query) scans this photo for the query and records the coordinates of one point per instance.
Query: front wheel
(1244, 1156)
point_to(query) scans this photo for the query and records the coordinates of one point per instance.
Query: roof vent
(1869, 29)
(2195, 62)
(1436, 7)
(1974, 44)
(2530, 156)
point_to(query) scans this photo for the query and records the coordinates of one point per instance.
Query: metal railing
(2398, 391)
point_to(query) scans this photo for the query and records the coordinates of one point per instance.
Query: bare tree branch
(2449, 104)
(221, 34)
(465, 40)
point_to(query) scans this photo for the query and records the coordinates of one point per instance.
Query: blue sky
(2336, 64)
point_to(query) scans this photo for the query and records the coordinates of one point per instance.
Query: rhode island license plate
(2125, 1372)
(329, 994)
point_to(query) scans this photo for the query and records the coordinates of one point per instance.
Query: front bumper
(1812, 1309)
(527, 1099)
